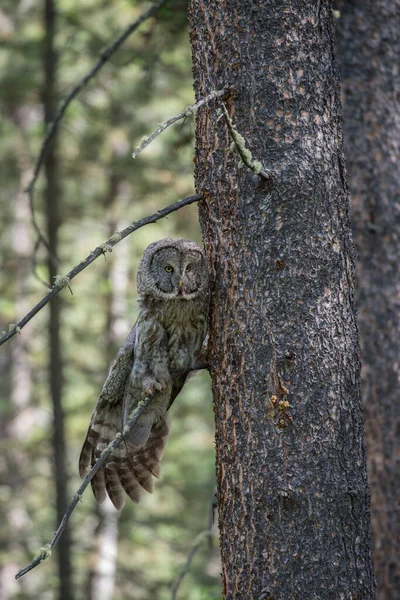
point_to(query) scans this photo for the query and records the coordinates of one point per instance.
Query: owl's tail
(129, 468)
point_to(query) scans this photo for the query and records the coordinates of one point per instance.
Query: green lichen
(116, 237)
(138, 148)
(257, 167)
(61, 281)
(44, 552)
(244, 152)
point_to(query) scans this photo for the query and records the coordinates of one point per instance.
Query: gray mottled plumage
(166, 339)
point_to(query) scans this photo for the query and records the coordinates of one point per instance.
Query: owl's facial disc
(178, 274)
(193, 274)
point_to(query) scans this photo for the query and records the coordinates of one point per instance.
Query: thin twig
(64, 281)
(185, 113)
(46, 551)
(104, 57)
(243, 151)
(200, 539)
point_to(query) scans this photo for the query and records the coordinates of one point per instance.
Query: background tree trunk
(369, 51)
(104, 558)
(17, 423)
(292, 483)
(52, 205)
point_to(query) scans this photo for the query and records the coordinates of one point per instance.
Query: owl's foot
(151, 384)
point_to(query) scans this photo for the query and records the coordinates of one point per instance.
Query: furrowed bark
(292, 483)
(369, 53)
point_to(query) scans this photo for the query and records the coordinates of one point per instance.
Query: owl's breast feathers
(175, 333)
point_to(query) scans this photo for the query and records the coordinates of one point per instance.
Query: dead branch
(242, 149)
(63, 281)
(146, 140)
(46, 551)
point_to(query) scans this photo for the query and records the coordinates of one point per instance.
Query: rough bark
(369, 51)
(292, 483)
(52, 207)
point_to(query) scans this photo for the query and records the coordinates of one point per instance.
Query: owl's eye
(188, 268)
(169, 269)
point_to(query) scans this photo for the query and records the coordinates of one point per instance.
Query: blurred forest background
(97, 188)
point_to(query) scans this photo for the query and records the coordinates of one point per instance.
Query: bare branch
(46, 551)
(182, 115)
(64, 281)
(243, 151)
(104, 57)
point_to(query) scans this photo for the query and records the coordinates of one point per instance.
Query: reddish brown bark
(292, 483)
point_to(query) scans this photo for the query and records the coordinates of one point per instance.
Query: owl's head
(173, 269)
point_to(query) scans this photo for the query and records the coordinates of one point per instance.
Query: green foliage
(103, 189)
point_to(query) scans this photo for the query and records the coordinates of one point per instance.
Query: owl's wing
(145, 462)
(129, 468)
(106, 419)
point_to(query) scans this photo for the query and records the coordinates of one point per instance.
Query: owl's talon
(155, 385)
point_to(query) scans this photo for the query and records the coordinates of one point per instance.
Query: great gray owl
(167, 338)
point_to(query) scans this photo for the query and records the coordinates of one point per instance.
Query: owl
(166, 340)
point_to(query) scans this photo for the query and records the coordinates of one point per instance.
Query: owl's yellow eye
(188, 268)
(169, 269)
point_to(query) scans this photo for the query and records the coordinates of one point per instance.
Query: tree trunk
(369, 50)
(101, 582)
(52, 205)
(21, 416)
(292, 483)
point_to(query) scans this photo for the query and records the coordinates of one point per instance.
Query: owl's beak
(180, 283)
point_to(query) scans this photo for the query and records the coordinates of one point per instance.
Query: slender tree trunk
(369, 50)
(21, 417)
(104, 558)
(52, 205)
(292, 482)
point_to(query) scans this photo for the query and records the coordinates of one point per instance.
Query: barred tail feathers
(129, 468)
